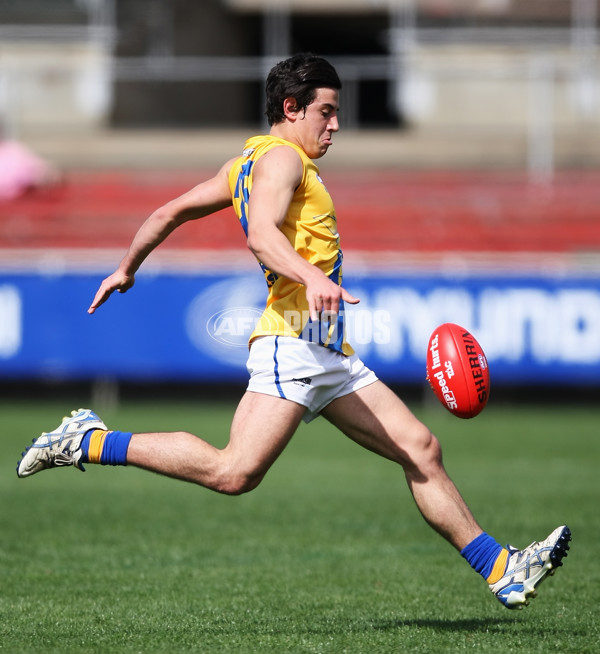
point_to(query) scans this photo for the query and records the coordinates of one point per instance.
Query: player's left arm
(204, 199)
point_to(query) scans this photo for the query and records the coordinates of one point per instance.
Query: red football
(457, 370)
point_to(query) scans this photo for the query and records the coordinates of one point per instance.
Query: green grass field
(329, 554)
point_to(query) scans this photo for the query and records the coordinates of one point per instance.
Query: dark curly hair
(297, 77)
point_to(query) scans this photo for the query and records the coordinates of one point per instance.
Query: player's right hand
(324, 299)
(118, 281)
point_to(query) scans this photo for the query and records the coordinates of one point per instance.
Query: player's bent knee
(237, 483)
(424, 451)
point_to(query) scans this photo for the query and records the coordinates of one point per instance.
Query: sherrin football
(457, 370)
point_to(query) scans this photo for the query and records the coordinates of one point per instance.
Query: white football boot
(61, 447)
(527, 568)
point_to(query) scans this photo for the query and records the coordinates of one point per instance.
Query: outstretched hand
(118, 281)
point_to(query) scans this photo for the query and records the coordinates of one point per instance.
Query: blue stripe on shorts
(276, 370)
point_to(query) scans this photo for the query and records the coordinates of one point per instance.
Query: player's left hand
(118, 281)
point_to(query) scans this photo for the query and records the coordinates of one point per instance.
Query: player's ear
(290, 108)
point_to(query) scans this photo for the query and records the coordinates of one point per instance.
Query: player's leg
(261, 428)
(376, 418)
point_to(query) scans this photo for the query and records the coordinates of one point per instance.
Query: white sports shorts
(306, 373)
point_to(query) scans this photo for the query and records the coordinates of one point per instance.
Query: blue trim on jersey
(339, 341)
(316, 332)
(339, 333)
(337, 268)
(276, 369)
(241, 189)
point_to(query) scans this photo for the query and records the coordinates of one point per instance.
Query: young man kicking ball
(300, 364)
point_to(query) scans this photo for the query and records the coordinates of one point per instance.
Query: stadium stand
(379, 210)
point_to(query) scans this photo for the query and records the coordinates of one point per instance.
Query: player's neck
(283, 131)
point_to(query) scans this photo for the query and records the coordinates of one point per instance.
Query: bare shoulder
(226, 168)
(219, 183)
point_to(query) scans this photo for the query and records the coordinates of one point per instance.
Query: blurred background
(466, 179)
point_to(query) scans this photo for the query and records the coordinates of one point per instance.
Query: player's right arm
(276, 175)
(204, 199)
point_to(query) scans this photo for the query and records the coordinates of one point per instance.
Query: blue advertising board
(194, 326)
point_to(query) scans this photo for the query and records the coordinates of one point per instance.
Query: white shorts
(306, 373)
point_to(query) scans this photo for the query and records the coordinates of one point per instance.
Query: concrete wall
(45, 86)
(490, 87)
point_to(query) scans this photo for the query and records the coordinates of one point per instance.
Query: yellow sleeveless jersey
(310, 226)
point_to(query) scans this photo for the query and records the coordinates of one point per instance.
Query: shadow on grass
(486, 625)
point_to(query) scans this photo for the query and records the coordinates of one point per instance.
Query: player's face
(317, 125)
